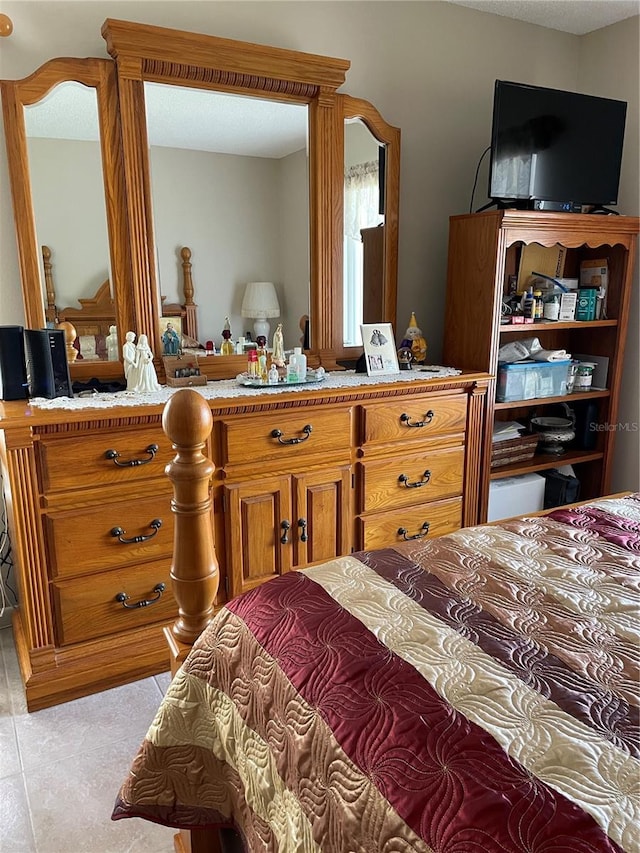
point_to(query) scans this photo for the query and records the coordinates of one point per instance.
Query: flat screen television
(554, 150)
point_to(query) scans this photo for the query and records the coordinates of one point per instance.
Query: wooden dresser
(299, 477)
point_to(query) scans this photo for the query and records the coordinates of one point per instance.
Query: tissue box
(515, 496)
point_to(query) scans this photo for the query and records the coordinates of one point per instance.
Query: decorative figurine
(142, 376)
(273, 377)
(414, 341)
(112, 344)
(170, 340)
(129, 357)
(226, 347)
(277, 354)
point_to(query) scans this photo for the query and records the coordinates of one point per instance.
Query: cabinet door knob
(277, 433)
(122, 597)
(424, 530)
(286, 526)
(118, 533)
(423, 482)
(114, 456)
(406, 419)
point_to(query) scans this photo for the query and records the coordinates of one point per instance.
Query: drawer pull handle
(406, 419)
(286, 526)
(118, 532)
(122, 597)
(152, 449)
(302, 524)
(424, 530)
(277, 433)
(423, 482)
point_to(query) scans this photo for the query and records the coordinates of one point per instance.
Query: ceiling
(578, 17)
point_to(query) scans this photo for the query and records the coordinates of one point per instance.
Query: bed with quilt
(472, 693)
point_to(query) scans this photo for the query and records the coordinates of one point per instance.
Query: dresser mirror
(229, 176)
(143, 250)
(371, 178)
(61, 133)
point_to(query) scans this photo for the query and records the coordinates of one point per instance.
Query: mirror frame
(145, 53)
(100, 75)
(389, 136)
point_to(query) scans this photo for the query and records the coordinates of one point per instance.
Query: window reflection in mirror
(230, 179)
(363, 229)
(65, 165)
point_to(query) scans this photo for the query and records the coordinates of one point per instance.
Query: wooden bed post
(190, 307)
(187, 422)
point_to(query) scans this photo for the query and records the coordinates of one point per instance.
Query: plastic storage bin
(528, 380)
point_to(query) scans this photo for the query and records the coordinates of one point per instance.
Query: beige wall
(68, 200)
(610, 66)
(229, 211)
(429, 67)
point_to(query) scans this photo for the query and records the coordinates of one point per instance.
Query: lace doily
(229, 388)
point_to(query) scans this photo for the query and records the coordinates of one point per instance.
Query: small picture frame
(380, 353)
(171, 336)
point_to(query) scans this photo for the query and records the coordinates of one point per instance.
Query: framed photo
(171, 335)
(379, 349)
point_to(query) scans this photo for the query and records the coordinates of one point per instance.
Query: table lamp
(260, 302)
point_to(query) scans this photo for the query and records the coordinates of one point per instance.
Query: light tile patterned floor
(61, 768)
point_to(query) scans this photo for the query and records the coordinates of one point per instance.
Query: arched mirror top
(28, 109)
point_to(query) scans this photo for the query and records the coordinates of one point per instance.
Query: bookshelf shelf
(554, 326)
(542, 462)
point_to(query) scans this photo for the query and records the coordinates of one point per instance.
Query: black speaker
(46, 362)
(12, 367)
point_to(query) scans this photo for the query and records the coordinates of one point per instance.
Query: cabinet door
(323, 517)
(255, 514)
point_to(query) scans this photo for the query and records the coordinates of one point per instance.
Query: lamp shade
(260, 302)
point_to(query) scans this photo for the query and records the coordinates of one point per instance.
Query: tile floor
(61, 768)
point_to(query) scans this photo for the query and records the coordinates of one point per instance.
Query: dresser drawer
(414, 478)
(381, 530)
(88, 607)
(84, 542)
(82, 461)
(287, 436)
(413, 419)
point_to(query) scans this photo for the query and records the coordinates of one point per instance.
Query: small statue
(226, 347)
(112, 344)
(414, 341)
(142, 376)
(170, 340)
(129, 357)
(277, 354)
